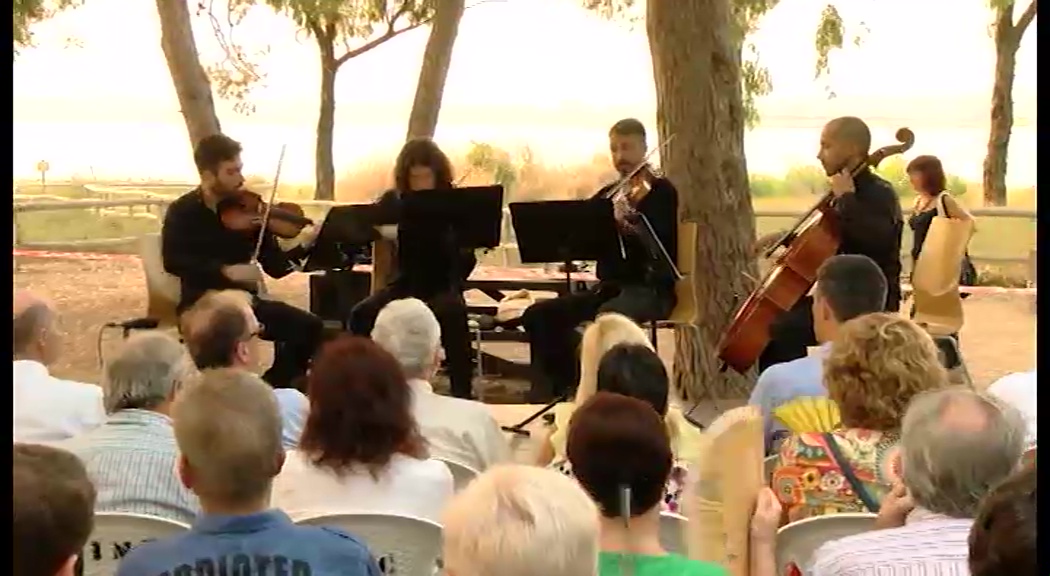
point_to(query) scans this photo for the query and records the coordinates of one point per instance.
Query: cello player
(871, 224)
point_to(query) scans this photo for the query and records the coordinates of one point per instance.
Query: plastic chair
(403, 545)
(797, 541)
(672, 532)
(461, 473)
(115, 534)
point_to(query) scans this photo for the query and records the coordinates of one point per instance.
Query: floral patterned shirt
(672, 493)
(809, 482)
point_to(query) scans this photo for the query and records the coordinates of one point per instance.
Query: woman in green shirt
(621, 455)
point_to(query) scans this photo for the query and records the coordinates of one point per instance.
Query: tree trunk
(1007, 41)
(437, 57)
(324, 164)
(696, 54)
(191, 82)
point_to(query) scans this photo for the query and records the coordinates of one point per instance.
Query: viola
(245, 212)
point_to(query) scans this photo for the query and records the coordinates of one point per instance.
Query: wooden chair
(685, 311)
(163, 290)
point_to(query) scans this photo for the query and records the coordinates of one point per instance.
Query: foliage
(894, 170)
(493, 162)
(29, 12)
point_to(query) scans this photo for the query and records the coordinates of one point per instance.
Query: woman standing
(928, 180)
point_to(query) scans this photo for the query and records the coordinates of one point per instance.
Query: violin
(245, 212)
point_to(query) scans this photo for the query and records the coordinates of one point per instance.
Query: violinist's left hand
(842, 183)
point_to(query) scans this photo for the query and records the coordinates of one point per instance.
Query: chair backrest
(769, 465)
(163, 290)
(116, 533)
(685, 310)
(403, 545)
(461, 473)
(797, 541)
(672, 532)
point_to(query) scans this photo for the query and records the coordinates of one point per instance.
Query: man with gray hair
(47, 409)
(956, 445)
(521, 521)
(460, 430)
(228, 431)
(131, 457)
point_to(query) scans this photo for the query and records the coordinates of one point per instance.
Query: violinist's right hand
(248, 274)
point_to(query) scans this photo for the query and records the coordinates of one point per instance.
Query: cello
(814, 238)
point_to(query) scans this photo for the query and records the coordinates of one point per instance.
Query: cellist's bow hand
(842, 183)
(766, 242)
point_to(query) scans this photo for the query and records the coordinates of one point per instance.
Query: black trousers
(295, 333)
(553, 340)
(449, 308)
(790, 335)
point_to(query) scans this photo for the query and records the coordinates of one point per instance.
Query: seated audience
(521, 521)
(131, 457)
(636, 371)
(620, 451)
(54, 504)
(1003, 537)
(957, 444)
(848, 286)
(221, 331)
(460, 430)
(875, 366)
(361, 450)
(1019, 391)
(229, 435)
(47, 409)
(602, 335)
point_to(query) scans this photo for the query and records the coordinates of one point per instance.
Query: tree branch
(1026, 18)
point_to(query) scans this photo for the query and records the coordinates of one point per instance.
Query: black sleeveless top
(920, 226)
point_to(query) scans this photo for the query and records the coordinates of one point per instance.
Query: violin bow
(266, 213)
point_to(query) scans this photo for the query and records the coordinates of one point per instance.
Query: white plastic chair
(116, 533)
(461, 473)
(403, 545)
(672, 532)
(797, 541)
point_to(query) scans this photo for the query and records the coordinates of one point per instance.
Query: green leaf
(29, 12)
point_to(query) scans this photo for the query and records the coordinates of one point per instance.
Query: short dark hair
(54, 509)
(628, 127)
(853, 285)
(26, 326)
(360, 408)
(422, 152)
(214, 150)
(1003, 537)
(931, 174)
(636, 371)
(615, 442)
(212, 337)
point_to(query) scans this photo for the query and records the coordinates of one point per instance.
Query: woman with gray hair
(131, 456)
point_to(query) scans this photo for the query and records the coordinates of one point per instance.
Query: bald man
(869, 214)
(47, 409)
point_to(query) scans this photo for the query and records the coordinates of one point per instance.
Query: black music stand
(473, 213)
(345, 233)
(562, 231)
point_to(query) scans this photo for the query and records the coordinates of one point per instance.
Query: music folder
(345, 234)
(565, 231)
(474, 213)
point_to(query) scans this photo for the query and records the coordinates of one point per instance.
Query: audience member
(47, 409)
(848, 286)
(361, 449)
(229, 434)
(1019, 390)
(521, 521)
(957, 444)
(1003, 537)
(221, 331)
(460, 430)
(635, 371)
(54, 504)
(619, 450)
(131, 457)
(875, 366)
(765, 521)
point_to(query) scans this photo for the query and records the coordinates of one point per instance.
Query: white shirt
(460, 430)
(1019, 391)
(49, 409)
(407, 486)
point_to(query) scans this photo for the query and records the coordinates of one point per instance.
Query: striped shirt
(927, 545)
(131, 460)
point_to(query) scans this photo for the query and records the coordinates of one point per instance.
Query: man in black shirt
(633, 283)
(205, 255)
(430, 266)
(870, 219)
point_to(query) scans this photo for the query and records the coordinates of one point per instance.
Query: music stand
(562, 231)
(474, 213)
(345, 233)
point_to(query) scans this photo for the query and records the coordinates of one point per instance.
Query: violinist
(870, 224)
(629, 284)
(430, 266)
(202, 249)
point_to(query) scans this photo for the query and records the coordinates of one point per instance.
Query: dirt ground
(90, 290)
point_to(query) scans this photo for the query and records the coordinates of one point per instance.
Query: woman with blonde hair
(875, 366)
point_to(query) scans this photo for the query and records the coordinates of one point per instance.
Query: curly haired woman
(876, 365)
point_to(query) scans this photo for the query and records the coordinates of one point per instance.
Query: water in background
(158, 151)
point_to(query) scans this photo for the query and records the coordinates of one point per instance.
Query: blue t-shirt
(782, 383)
(262, 543)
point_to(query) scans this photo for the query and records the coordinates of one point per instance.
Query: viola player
(430, 266)
(871, 223)
(206, 255)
